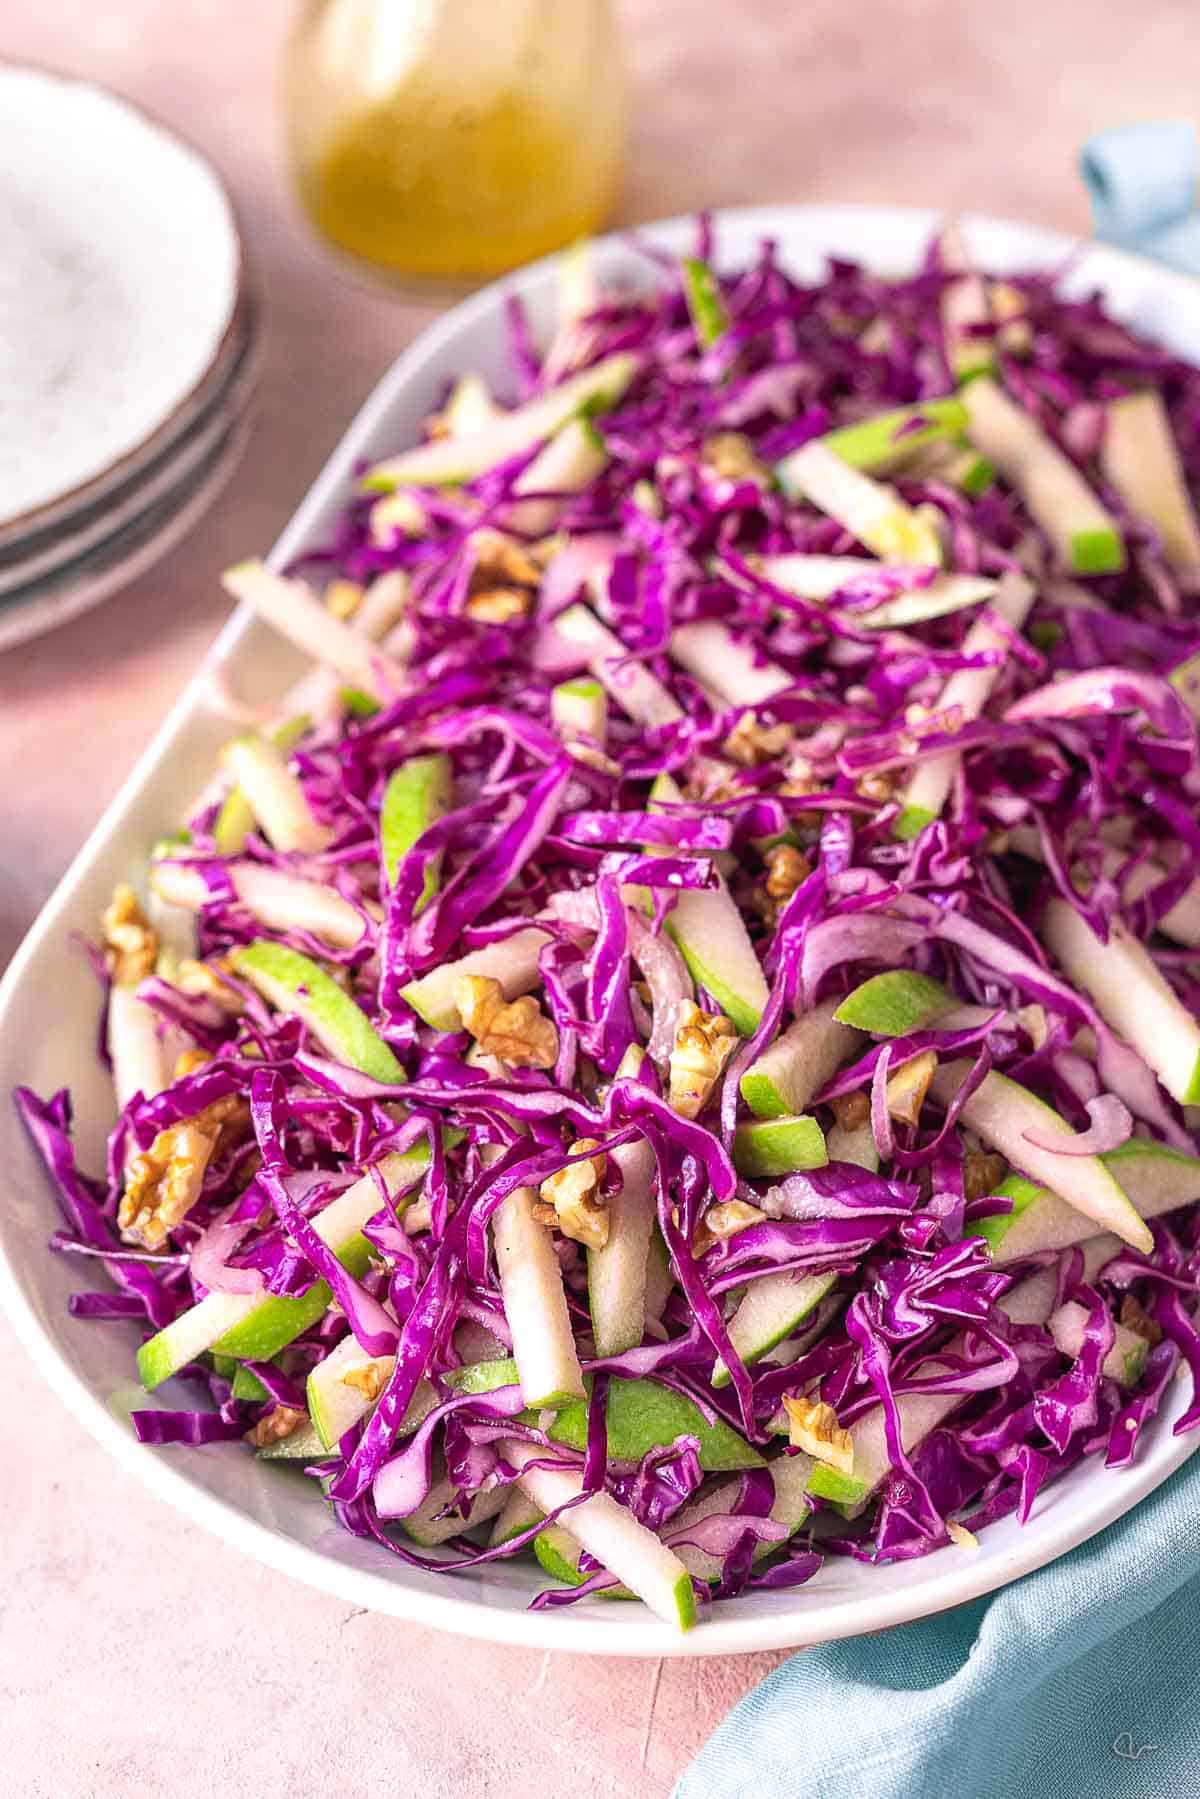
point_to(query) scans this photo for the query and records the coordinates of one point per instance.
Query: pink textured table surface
(125, 1635)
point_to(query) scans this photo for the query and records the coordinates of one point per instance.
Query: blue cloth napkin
(1081, 1681)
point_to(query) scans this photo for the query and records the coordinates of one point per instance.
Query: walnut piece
(733, 1216)
(164, 1182)
(704, 1042)
(1135, 1318)
(787, 867)
(982, 1173)
(906, 1089)
(731, 455)
(366, 1378)
(519, 1032)
(396, 512)
(205, 980)
(581, 1210)
(280, 1422)
(188, 1061)
(852, 1110)
(500, 560)
(879, 787)
(960, 1536)
(343, 598)
(499, 605)
(813, 1426)
(752, 743)
(130, 942)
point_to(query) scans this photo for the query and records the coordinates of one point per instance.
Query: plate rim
(576, 1630)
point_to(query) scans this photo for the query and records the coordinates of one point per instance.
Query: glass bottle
(449, 140)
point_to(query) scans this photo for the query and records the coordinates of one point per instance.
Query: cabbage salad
(674, 1050)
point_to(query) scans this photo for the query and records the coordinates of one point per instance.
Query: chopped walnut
(982, 1173)
(519, 1032)
(366, 1378)
(396, 512)
(574, 1192)
(731, 456)
(879, 787)
(188, 1061)
(130, 943)
(728, 1219)
(960, 1536)
(1032, 1019)
(704, 1042)
(787, 867)
(500, 560)
(1136, 1319)
(205, 980)
(752, 743)
(852, 1110)
(280, 1422)
(165, 1181)
(544, 1215)
(906, 1089)
(343, 598)
(499, 605)
(813, 1426)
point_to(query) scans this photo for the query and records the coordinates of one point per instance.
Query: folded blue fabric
(1142, 180)
(1081, 1681)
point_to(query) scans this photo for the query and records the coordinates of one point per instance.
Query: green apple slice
(470, 408)
(643, 1415)
(334, 1404)
(559, 1556)
(281, 902)
(888, 440)
(259, 771)
(448, 461)
(535, 1304)
(1141, 461)
(1086, 538)
(660, 1278)
(868, 510)
(727, 665)
(296, 613)
(134, 1046)
(513, 962)
(957, 464)
(855, 1145)
(770, 1311)
(704, 303)
(894, 1004)
(820, 577)
(569, 463)
(518, 1515)
(235, 820)
(1125, 1361)
(1002, 1111)
(428, 1530)
(713, 940)
(791, 1507)
(579, 708)
(296, 985)
(1131, 995)
(617, 1272)
(255, 1329)
(634, 688)
(416, 796)
(1155, 1179)
(965, 694)
(610, 1533)
(777, 1146)
(786, 1077)
(1185, 679)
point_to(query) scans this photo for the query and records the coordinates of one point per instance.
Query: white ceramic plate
(47, 1032)
(119, 280)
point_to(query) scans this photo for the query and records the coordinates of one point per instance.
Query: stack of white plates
(127, 346)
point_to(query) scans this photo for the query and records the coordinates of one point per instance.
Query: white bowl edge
(268, 1512)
